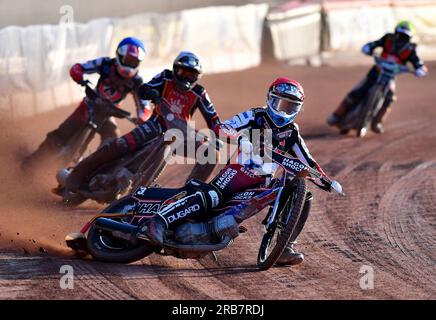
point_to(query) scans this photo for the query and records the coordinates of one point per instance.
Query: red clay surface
(387, 221)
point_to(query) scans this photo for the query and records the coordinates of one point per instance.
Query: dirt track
(387, 221)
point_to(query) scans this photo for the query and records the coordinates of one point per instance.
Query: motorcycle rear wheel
(104, 247)
(366, 115)
(290, 206)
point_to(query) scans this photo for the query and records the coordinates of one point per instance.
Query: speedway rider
(284, 101)
(396, 47)
(118, 77)
(184, 95)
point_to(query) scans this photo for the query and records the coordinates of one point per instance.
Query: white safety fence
(296, 32)
(35, 60)
(307, 28)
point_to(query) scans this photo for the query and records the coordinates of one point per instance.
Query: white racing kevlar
(35, 60)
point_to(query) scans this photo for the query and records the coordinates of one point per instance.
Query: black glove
(153, 95)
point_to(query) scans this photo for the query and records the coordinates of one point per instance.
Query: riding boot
(87, 166)
(289, 256)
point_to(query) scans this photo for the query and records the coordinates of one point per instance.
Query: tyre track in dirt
(387, 220)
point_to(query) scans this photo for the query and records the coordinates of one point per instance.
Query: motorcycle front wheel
(277, 236)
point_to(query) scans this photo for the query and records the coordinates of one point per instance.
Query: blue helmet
(284, 101)
(130, 52)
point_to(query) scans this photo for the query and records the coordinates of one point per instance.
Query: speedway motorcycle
(361, 117)
(112, 236)
(121, 176)
(100, 110)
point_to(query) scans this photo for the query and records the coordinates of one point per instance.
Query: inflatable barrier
(34, 64)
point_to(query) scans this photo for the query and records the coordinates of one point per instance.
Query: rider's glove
(76, 73)
(245, 146)
(366, 49)
(154, 96)
(421, 72)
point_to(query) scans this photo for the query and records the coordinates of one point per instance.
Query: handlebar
(391, 65)
(113, 110)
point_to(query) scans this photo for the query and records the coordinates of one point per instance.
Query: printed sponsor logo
(226, 177)
(244, 195)
(149, 208)
(249, 172)
(294, 165)
(183, 213)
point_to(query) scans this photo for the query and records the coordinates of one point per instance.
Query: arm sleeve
(92, 66)
(378, 43)
(302, 152)
(157, 83)
(241, 121)
(208, 111)
(414, 59)
(143, 109)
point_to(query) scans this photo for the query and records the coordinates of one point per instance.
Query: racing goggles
(187, 74)
(129, 61)
(287, 105)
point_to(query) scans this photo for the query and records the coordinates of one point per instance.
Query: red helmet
(284, 100)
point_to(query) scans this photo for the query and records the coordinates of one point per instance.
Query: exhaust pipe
(118, 229)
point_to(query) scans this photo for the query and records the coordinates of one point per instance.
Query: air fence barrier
(34, 65)
(305, 29)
